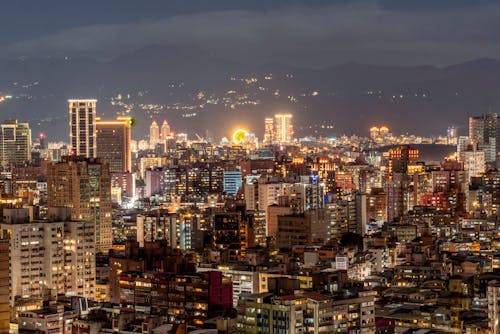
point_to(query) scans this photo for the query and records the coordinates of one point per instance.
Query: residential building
(84, 185)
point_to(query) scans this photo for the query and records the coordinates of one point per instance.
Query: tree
(351, 240)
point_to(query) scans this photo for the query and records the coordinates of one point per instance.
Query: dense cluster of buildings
(109, 235)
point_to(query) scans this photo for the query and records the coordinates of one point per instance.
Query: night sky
(308, 33)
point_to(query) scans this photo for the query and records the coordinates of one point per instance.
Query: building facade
(84, 185)
(15, 143)
(113, 143)
(283, 128)
(82, 127)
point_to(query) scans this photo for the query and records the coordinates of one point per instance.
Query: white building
(154, 134)
(82, 127)
(474, 162)
(283, 128)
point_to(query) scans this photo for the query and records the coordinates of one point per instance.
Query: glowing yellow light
(239, 136)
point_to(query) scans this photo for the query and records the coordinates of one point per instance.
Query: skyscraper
(113, 144)
(269, 130)
(165, 131)
(15, 143)
(474, 162)
(484, 133)
(463, 144)
(82, 125)
(154, 134)
(284, 128)
(483, 128)
(84, 185)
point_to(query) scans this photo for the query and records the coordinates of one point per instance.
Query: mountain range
(200, 92)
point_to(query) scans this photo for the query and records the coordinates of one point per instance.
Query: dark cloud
(301, 33)
(432, 5)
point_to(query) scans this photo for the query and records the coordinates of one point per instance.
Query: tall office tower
(269, 133)
(15, 143)
(154, 134)
(84, 185)
(113, 144)
(82, 127)
(283, 128)
(165, 131)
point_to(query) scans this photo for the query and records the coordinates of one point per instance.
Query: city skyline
(191, 77)
(243, 167)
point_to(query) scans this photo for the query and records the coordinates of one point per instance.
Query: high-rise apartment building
(284, 128)
(54, 256)
(484, 134)
(474, 162)
(482, 128)
(397, 189)
(82, 127)
(15, 143)
(84, 185)
(165, 131)
(79, 259)
(463, 144)
(154, 134)
(113, 143)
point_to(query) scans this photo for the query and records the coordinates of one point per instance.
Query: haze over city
(164, 54)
